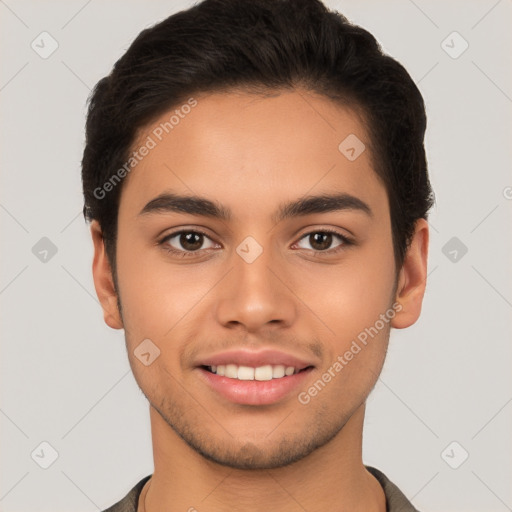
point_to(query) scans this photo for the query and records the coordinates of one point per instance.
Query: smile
(261, 373)
(245, 385)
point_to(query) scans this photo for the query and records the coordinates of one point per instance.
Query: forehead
(247, 149)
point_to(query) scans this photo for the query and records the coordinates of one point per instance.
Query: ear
(103, 280)
(413, 278)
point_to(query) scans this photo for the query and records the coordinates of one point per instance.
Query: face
(244, 280)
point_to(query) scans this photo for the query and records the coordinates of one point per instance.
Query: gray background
(65, 377)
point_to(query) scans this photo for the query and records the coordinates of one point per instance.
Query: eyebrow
(195, 205)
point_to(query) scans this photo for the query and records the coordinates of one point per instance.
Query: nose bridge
(253, 294)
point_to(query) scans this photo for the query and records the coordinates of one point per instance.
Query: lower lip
(254, 392)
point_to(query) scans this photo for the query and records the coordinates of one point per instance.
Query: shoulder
(130, 502)
(395, 498)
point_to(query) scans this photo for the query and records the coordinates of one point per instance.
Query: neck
(332, 477)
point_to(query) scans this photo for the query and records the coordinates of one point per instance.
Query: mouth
(260, 373)
(247, 385)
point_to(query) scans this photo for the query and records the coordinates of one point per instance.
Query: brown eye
(191, 241)
(186, 242)
(322, 241)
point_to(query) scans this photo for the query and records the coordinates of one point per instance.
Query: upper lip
(255, 359)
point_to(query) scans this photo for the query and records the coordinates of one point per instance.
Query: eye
(321, 241)
(186, 242)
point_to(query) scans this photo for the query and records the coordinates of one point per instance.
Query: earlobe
(103, 280)
(412, 279)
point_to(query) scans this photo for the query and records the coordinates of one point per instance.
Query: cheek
(350, 297)
(140, 288)
(156, 295)
(345, 297)
(351, 305)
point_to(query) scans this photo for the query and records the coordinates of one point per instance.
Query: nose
(256, 294)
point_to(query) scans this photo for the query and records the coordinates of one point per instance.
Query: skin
(251, 154)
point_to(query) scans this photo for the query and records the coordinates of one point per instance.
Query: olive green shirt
(395, 500)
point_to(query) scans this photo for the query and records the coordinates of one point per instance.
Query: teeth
(231, 371)
(245, 373)
(278, 371)
(261, 373)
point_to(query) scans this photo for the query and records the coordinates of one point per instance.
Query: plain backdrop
(445, 393)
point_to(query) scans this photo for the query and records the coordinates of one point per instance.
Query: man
(256, 182)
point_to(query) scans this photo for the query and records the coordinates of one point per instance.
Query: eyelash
(346, 242)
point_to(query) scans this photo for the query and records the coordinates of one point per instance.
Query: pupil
(322, 240)
(187, 241)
